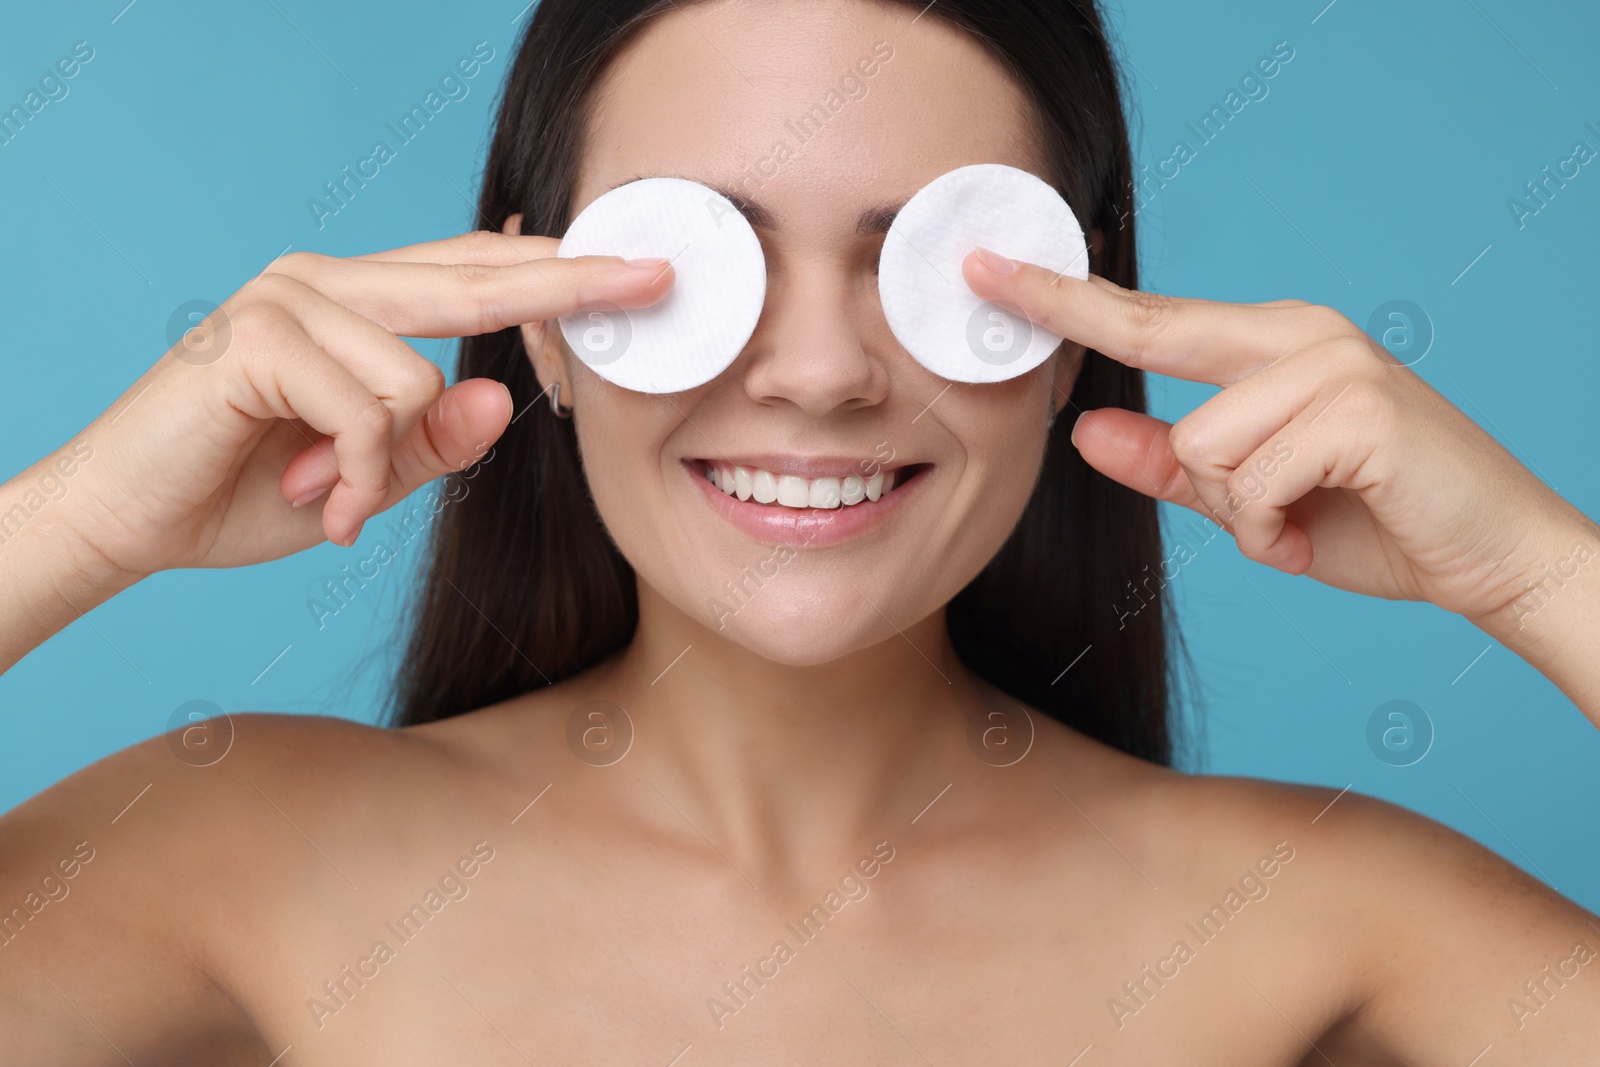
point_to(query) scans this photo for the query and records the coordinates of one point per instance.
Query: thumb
(455, 433)
(1131, 448)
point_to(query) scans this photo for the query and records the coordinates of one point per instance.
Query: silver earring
(555, 402)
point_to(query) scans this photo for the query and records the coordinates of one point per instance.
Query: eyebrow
(872, 222)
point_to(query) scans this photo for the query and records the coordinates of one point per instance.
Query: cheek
(622, 438)
(997, 434)
(1002, 432)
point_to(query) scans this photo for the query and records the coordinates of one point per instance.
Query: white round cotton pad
(694, 332)
(926, 300)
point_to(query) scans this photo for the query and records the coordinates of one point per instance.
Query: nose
(810, 347)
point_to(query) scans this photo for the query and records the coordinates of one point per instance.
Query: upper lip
(863, 466)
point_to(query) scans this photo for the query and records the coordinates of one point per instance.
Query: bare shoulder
(1362, 837)
(1370, 856)
(112, 881)
(1419, 934)
(164, 789)
(109, 798)
(1369, 850)
(194, 801)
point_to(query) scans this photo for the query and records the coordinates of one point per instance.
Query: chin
(798, 635)
(812, 651)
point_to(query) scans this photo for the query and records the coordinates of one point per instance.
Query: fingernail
(1073, 436)
(996, 262)
(309, 495)
(655, 263)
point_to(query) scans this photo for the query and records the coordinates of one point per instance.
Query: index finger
(1184, 337)
(477, 246)
(461, 299)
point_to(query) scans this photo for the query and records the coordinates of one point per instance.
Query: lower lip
(814, 527)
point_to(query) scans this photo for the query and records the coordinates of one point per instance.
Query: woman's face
(709, 92)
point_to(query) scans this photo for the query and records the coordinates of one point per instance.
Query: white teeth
(824, 493)
(792, 491)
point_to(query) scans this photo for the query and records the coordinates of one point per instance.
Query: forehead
(815, 109)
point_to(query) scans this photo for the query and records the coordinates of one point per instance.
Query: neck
(779, 762)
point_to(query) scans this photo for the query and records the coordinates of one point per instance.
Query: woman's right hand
(300, 384)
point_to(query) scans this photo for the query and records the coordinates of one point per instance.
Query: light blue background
(1379, 167)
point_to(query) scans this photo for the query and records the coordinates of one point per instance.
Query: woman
(872, 809)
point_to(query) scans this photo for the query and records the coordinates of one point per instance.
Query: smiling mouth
(757, 485)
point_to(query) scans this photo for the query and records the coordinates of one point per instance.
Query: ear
(542, 340)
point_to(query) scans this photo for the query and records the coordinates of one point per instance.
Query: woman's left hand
(1323, 455)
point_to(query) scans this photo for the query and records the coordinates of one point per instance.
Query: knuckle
(1047, 303)
(1055, 283)
(1326, 321)
(470, 275)
(474, 283)
(423, 379)
(1242, 486)
(375, 418)
(1355, 356)
(1187, 439)
(1365, 400)
(276, 286)
(260, 321)
(295, 264)
(1151, 312)
(1153, 318)
(491, 315)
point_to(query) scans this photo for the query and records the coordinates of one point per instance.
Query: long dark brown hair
(523, 586)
